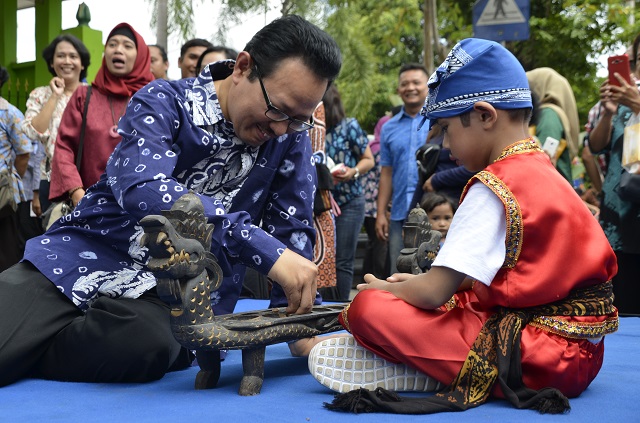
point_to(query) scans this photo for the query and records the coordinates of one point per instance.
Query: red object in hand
(619, 64)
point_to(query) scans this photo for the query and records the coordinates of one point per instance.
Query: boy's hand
(399, 277)
(373, 283)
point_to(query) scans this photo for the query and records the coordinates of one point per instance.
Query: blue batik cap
(476, 70)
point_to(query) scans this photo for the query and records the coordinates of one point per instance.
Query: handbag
(55, 211)
(61, 208)
(8, 203)
(629, 188)
(427, 160)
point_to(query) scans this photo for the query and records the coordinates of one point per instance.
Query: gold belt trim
(345, 318)
(450, 304)
(576, 330)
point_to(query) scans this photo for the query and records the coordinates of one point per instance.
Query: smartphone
(338, 169)
(550, 146)
(619, 64)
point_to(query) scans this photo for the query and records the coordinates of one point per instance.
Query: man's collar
(206, 105)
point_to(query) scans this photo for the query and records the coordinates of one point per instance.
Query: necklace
(113, 131)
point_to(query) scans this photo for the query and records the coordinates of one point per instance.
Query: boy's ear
(488, 113)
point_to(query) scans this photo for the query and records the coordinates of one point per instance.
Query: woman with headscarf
(125, 69)
(556, 115)
(620, 214)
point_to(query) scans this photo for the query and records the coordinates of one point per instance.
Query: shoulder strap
(82, 128)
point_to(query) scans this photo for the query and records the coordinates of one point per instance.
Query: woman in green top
(556, 116)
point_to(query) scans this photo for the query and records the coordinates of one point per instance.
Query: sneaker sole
(342, 365)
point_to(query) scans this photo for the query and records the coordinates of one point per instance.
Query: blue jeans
(396, 243)
(348, 226)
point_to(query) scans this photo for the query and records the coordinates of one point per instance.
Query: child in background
(538, 264)
(440, 210)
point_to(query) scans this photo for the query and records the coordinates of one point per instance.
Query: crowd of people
(239, 131)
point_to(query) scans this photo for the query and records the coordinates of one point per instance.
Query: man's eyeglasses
(278, 115)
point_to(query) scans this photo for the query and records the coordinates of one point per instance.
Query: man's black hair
(163, 52)
(50, 51)
(294, 37)
(229, 53)
(195, 42)
(413, 66)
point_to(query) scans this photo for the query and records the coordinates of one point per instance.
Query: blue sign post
(501, 20)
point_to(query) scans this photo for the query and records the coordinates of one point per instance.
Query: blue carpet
(290, 394)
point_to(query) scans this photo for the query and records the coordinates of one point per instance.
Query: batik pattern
(259, 199)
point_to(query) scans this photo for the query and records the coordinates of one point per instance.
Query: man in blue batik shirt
(399, 141)
(82, 305)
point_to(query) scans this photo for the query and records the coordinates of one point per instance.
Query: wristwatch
(357, 174)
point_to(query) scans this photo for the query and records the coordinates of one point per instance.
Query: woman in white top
(68, 60)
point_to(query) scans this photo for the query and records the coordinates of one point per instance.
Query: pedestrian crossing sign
(501, 20)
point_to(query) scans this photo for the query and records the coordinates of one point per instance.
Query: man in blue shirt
(399, 140)
(82, 305)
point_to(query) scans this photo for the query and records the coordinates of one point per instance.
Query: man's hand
(298, 278)
(382, 226)
(35, 203)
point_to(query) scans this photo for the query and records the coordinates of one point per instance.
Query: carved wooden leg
(253, 367)
(209, 374)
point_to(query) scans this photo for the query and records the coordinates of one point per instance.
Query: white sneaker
(342, 365)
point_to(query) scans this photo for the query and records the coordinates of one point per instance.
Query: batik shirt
(399, 141)
(13, 142)
(175, 140)
(346, 143)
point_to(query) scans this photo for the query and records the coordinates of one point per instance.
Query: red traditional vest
(553, 243)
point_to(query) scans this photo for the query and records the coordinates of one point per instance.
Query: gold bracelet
(74, 190)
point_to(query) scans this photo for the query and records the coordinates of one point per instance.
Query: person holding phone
(619, 218)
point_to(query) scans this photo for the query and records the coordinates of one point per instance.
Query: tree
(161, 23)
(172, 16)
(176, 16)
(566, 35)
(377, 36)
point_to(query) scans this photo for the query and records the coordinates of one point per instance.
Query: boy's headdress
(476, 70)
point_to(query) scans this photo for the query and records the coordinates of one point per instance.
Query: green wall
(24, 77)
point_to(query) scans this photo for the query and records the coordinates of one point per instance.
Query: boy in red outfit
(538, 264)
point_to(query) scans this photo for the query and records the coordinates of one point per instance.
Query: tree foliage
(377, 36)
(567, 35)
(179, 17)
